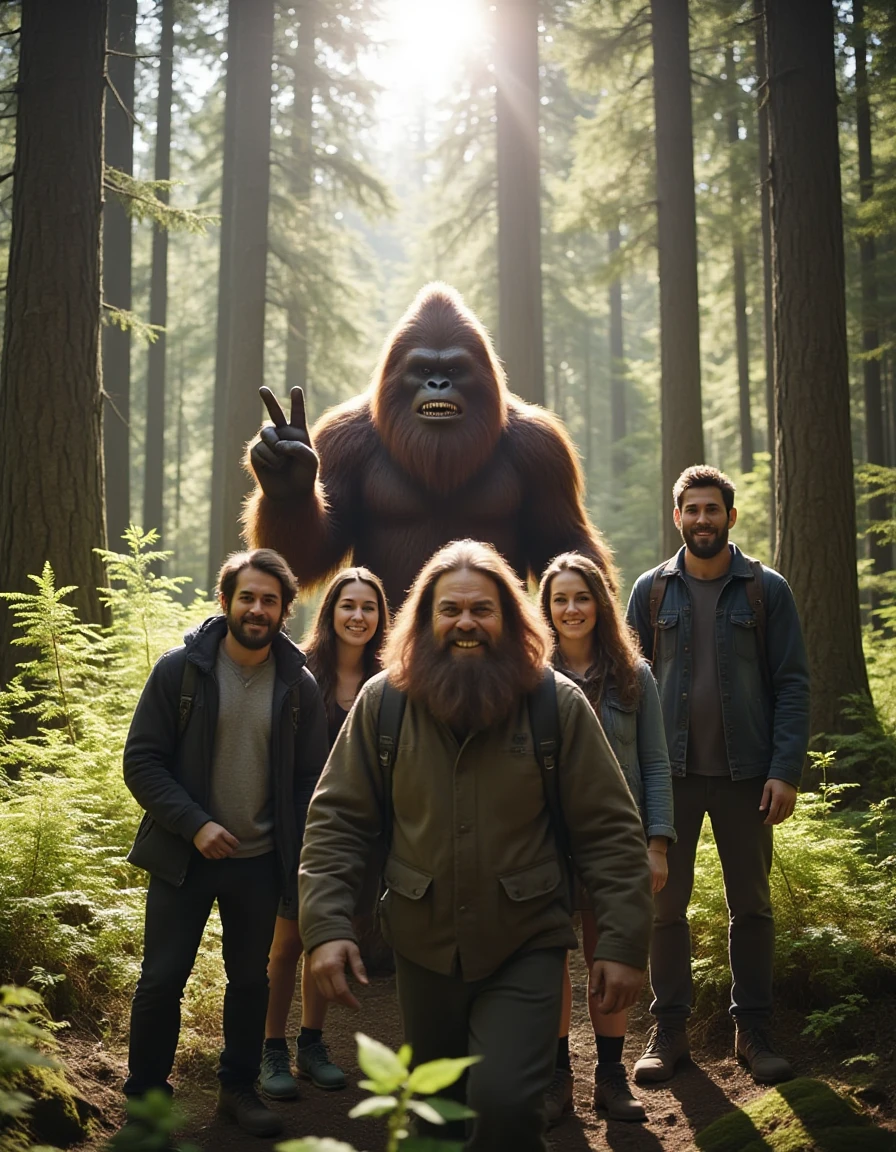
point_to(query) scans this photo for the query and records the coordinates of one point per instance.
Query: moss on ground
(801, 1116)
(58, 1117)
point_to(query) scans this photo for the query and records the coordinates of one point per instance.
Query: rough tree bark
(225, 277)
(880, 553)
(520, 322)
(51, 465)
(251, 188)
(816, 546)
(617, 364)
(119, 153)
(739, 268)
(764, 190)
(154, 473)
(681, 406)
(300, 179)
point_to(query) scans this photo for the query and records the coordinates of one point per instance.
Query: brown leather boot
(613, 1095)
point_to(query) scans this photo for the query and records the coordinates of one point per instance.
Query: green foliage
(70, 905)
(25, 1036)
(394, 1089)
(153, 1121)
(834, 895)
(148, 200)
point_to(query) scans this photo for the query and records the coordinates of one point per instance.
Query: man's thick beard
(469, 693)
(706, 551)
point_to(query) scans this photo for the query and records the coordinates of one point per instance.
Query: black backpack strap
(187, 692)
(658, 586)
(388, 729)
(544, 719)
(756, 598)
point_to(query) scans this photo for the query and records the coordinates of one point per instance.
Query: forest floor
(701, 1092)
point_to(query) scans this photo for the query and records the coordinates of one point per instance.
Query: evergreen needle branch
(7, 175)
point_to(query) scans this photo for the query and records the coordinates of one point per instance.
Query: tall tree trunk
(681, 406)
(520, 323)
(251, 188)
(816, 547)
(588, 404)
(51, 463)
(301, 172)
(764, 197)
(739, 269)
(618, 428)
(154, 475)
(119, 153)
(225, 280)
(879, 552)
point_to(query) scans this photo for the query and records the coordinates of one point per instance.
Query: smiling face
(703, 521)
(438, 380)
(573, 607)
(255, 612)
(466, 614)
(356, 614)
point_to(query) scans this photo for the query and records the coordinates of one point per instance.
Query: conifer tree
(51, 467)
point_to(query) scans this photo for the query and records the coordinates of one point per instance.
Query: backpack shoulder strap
(658, 586)
(544, 718)
(187, 692)
(756, 599)
(388, 729)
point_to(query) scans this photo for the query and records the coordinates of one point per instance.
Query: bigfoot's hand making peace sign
(283, 459)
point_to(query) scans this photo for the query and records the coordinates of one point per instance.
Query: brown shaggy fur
(392, 489)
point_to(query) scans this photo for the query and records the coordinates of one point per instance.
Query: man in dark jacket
(223, 753)
(477, 907)
(728, 655)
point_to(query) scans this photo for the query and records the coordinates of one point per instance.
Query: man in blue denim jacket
(736, 713)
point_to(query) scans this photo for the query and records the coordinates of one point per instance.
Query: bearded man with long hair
(477, 901)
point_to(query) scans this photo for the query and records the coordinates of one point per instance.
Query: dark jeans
(247, 892)
(744, 845)
(511, 1019)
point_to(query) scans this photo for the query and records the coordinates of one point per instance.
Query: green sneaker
(315, 1065)
(275, 1078)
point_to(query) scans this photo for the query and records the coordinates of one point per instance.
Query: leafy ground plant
(395, 1090)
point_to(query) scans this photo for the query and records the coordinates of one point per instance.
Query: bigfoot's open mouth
(439, 409)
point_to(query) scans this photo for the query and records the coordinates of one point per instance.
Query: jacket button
(462, 908)
(464, 828)
(418, 891)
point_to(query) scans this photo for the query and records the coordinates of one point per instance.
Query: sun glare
(427, 39)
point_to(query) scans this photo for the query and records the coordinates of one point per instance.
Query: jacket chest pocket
(621, 723)
(743, 628)
(667, 634)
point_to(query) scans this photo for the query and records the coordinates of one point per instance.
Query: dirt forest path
(711, 1087)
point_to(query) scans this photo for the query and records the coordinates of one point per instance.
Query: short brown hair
(264, 560)
(521, 617)
(704, 476)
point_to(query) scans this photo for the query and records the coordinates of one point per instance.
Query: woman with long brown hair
(342, 647)
(594, 647)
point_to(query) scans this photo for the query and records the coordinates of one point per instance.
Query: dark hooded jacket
(170, 774)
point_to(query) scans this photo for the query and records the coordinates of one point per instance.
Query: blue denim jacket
(636, 735)
(765, 710)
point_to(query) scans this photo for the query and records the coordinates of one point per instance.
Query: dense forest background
(678, 220)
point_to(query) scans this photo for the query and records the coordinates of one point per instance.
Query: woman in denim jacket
(595, 648)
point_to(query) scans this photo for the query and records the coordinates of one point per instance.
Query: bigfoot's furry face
(439, 399)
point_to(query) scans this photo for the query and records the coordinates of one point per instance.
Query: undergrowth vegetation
(71, 906)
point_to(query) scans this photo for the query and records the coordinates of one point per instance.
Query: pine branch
(7, 175)
(130, 115)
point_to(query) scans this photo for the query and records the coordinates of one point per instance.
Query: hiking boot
(315, 1065)
(753, 1050)
(613, 1095)
(240, 1102)
(276, 1079)
(558, 1096)
(666, 1048)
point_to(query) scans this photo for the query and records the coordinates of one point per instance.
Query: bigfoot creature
(436, 449)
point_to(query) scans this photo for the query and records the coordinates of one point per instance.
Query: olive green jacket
(473, 873)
